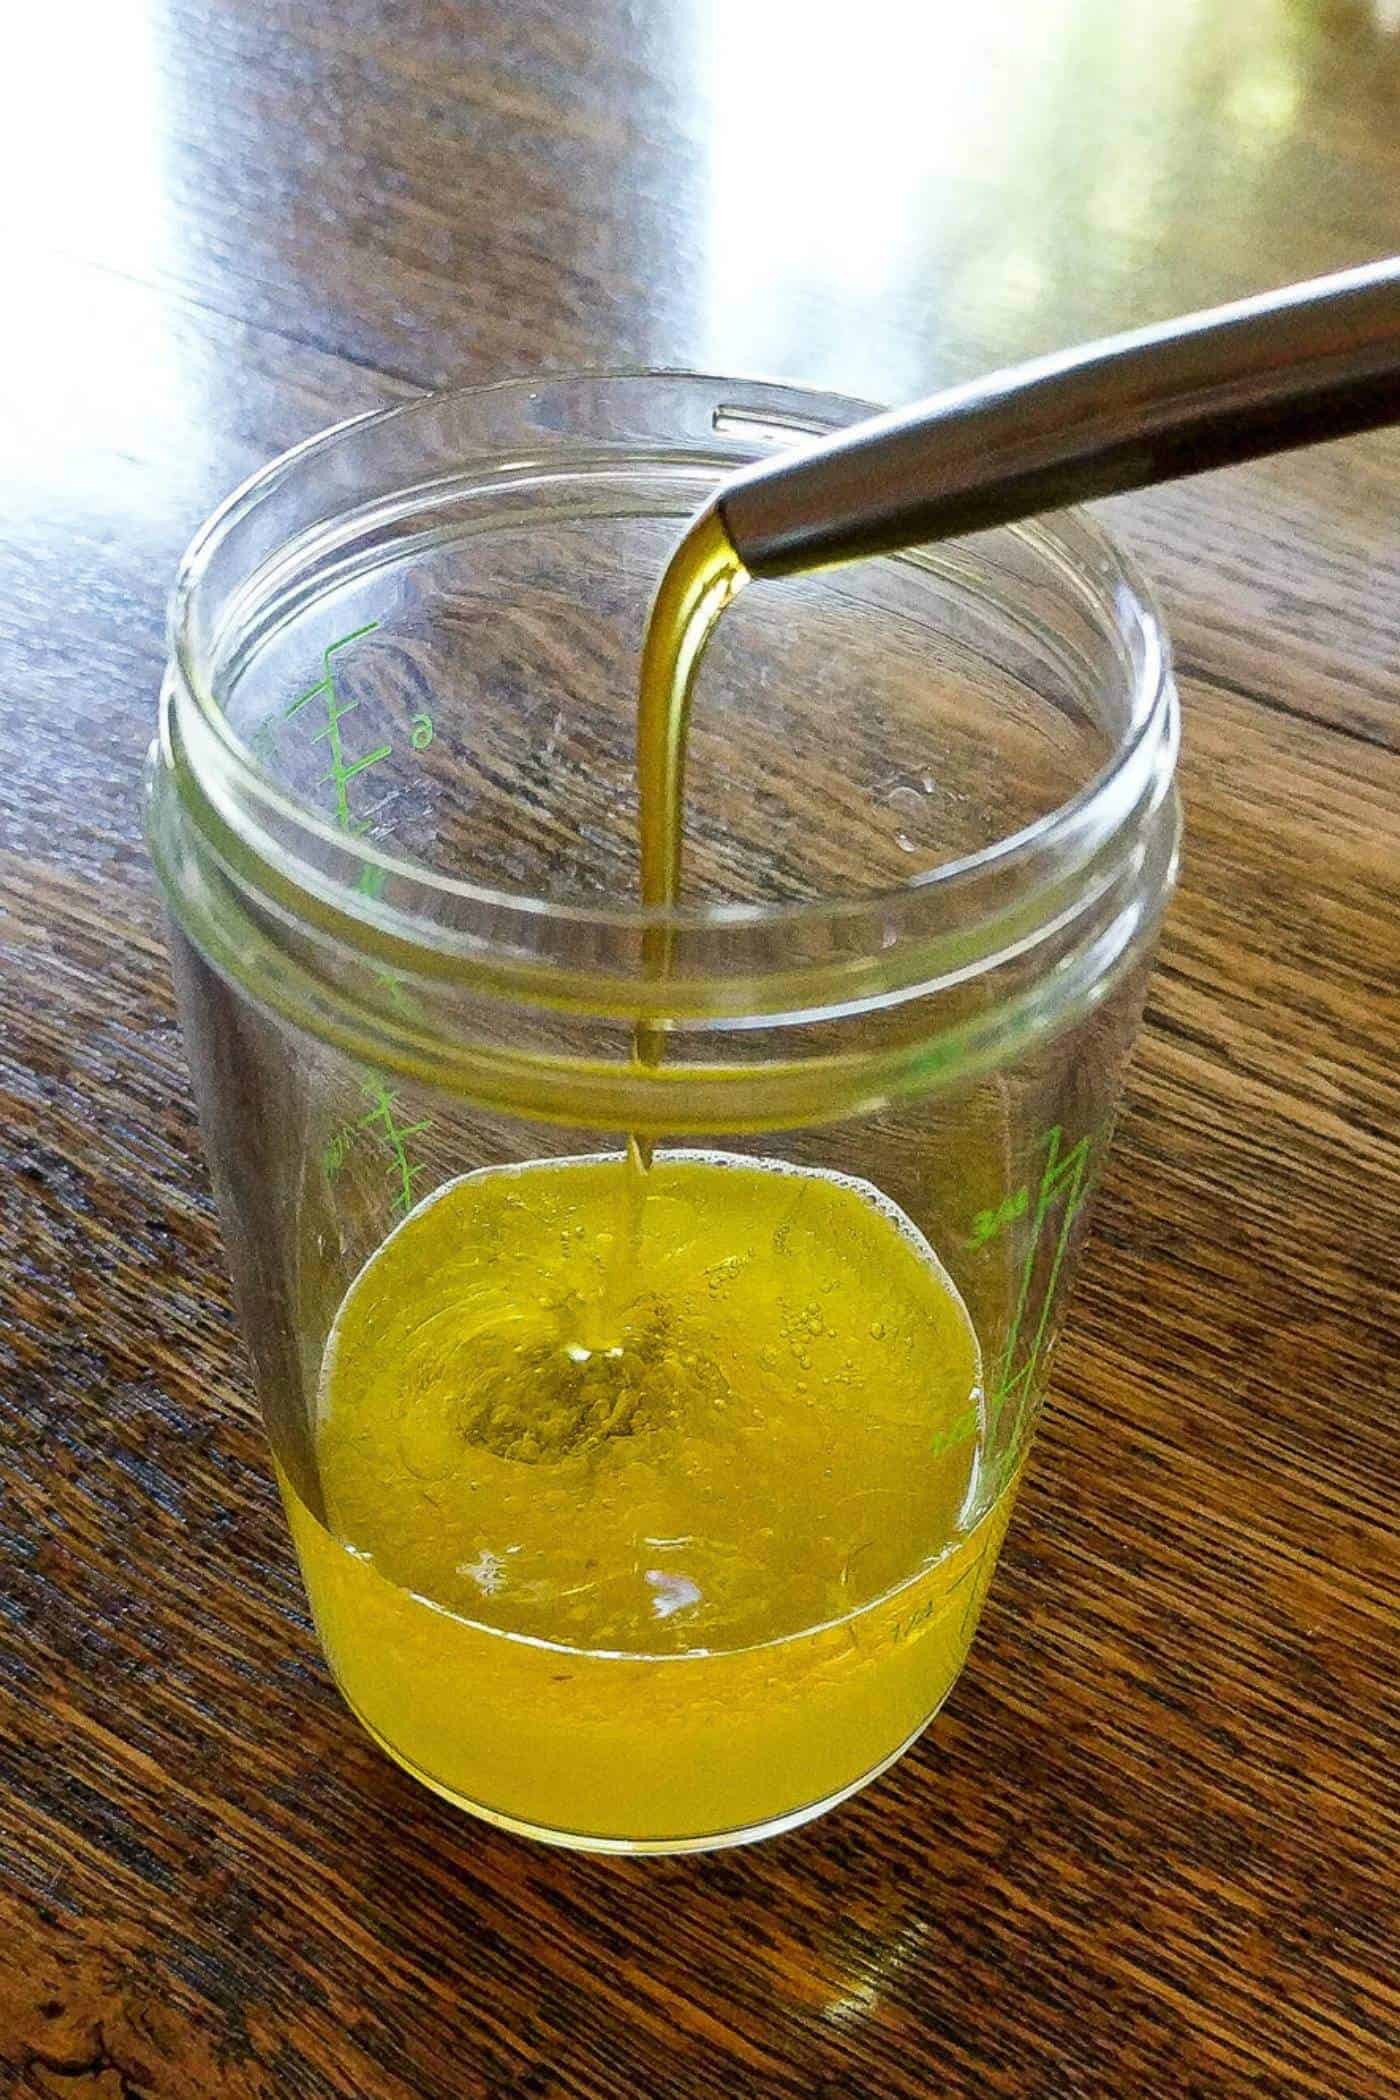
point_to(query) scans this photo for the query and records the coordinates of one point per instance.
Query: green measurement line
(1062, 1180)
(362, 765)
(382, 1121)
(340, 775)
(394, 1135)
(389, 983)
(335, 712)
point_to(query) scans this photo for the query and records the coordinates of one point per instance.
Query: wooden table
(1149, 1848)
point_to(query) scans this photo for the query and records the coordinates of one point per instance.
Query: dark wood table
(1149, 1849)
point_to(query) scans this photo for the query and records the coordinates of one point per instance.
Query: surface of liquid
(695, 1582)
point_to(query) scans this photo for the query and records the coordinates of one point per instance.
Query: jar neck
(410, 966)
(770, 1019)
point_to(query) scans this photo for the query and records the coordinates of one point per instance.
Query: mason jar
(930, 827)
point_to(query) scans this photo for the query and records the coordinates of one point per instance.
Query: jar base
(588, 1841)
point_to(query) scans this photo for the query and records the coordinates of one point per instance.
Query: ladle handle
(1313, 361)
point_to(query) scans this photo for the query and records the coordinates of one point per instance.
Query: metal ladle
(1293, 367)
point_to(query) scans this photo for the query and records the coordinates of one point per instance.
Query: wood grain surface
(1149, 1849)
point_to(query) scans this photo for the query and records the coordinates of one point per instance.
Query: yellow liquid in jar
(694, 1584)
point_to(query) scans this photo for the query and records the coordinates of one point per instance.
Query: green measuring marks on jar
(342, 772)
(383, 1120)
(1061, 1193)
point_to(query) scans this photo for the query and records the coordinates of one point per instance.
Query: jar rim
(299, 850)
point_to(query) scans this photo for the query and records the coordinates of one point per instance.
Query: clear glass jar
(930, 831)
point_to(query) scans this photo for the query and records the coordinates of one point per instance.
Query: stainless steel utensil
(1313, 361)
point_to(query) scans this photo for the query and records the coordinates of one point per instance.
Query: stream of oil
(702, 577)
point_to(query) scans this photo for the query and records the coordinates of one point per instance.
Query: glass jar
(930, 829)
